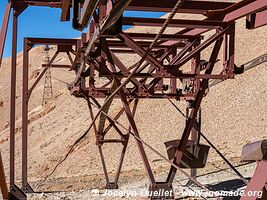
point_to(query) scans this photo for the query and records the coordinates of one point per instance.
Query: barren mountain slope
(233, 114)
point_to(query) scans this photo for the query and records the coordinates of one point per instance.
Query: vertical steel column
(232, 51)
(13, 98)
(195, 68)
(173, 81)
(197, 102)
(15, 192)
(4, 30)
(225, 52)
(82, 84)
(195, 107)
(189, 125)
(229, 52)
(25, 101)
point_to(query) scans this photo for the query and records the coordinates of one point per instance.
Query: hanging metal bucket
(255, 151)
(195, 155)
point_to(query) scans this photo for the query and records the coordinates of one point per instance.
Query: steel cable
(156, 151)
(210, 143)
(139, 63)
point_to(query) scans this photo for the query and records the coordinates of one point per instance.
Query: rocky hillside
(234, 113)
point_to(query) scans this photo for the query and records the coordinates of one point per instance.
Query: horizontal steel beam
(232, 13)
(103, 93)
(119, 44)
(240, 10)
(257, 20)
(151, 36)
(37, 1)
(45, 3)
(169, 75)
(181, 23)
(52, 41)
(56, 66)
(189, 6)
(127, 50)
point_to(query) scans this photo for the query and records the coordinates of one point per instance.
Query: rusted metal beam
(104, 92)
(204, 45)
(52, 41)
(25, 100)
(45, 3)
(144, 44)
(15, 192)
(189, 6)
(247, 66)
(231, 13)
(172, 37)
(196, 105)
(256, 20)
(65, 13)
(169, 74)
(87, 12)
(139, 50)
(124, 70)
(13, 99)
(114, 15)
(140, 146)
(56, 66)
(128, 51)
(4, 30)
(206, 24)
(3, 184)
(239, 10)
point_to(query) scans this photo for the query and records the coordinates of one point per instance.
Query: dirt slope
(234, 113)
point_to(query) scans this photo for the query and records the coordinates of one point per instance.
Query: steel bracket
(27, 188)
(112, 185)
(16, 194)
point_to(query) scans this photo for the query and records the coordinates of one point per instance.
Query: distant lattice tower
(48, 91)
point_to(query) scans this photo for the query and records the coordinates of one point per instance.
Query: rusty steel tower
(48, 90)
(171, 68)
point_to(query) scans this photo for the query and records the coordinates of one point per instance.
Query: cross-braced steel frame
(166, 60)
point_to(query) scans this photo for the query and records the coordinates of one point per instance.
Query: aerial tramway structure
(165, 61)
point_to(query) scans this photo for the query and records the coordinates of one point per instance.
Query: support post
(25, 101)
(195, 107)
(4, 30)
(195, 67)
(13, 98)
(229, 52)
(15, 192)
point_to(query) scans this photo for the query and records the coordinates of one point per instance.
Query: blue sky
(45, 22)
